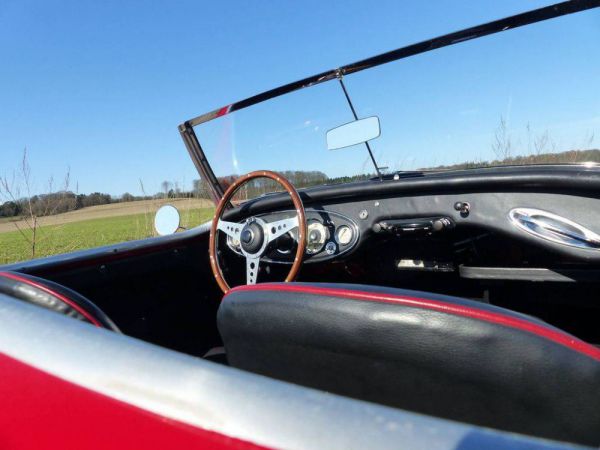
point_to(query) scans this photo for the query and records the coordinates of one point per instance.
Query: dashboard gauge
(330, 248)
(344, 235)
(317, 235)
(234, 244)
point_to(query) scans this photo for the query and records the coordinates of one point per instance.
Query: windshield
(524, 96)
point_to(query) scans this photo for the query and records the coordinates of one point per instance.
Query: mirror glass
(353, 133)
(166, 220)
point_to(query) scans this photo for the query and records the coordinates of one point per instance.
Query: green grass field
(55, 239)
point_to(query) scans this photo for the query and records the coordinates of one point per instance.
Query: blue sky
(100, 87)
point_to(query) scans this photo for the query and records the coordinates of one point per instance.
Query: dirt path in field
(111, 210)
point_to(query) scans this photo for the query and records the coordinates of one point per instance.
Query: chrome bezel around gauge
(314, 247)
(337, 237)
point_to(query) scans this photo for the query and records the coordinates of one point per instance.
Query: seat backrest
(433, 354)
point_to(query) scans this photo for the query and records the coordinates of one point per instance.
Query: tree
(127, 197)
(201, 189)
(502, 145)
(34, 206)
(10, 209)
(166, 185)
(96, 198)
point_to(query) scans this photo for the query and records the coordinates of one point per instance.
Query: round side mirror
(166, 220)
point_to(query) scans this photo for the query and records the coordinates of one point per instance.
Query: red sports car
(343, 296)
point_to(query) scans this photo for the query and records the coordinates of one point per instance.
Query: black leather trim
(418, 359)
(25, 287)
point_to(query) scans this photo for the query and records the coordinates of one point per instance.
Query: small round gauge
(344, 235)
(234, 244)
(316, 237)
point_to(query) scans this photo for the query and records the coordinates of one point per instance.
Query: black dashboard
(530, 248)
(511, 227)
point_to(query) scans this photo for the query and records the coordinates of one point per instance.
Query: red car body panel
(40, 410)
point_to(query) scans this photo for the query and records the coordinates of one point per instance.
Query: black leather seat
(54, 297)
(433, 354)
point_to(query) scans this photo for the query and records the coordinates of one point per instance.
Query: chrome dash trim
(554, 228)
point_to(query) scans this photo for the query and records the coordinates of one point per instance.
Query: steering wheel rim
(271, 231)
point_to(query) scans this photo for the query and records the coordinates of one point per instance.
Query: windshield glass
(524, 96)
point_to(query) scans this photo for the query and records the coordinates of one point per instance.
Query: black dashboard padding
(55, 297)
(433, 354)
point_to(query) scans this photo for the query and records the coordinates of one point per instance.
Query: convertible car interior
(487, 323)
(469, 294)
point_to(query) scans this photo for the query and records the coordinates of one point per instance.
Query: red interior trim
(69, 302)
(551, 334)
(40, 410)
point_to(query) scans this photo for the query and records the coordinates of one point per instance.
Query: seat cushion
(433, 354)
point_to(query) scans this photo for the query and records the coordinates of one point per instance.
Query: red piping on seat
(556, 336)
(69, 302)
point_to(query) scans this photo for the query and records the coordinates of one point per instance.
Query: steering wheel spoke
(231, 229)
(252, 264)
(280, 227)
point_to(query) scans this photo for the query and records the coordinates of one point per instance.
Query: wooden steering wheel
(255, 234)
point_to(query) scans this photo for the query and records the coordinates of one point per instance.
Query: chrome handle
(554, 228)
(558, 229)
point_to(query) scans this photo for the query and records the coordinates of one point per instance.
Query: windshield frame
(194, 147)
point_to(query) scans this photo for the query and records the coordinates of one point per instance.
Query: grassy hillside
(148, 207)
(83, 234)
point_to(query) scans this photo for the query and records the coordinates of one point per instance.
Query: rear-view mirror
(353, 133)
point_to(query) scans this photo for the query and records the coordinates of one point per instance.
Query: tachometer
(317, 235)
